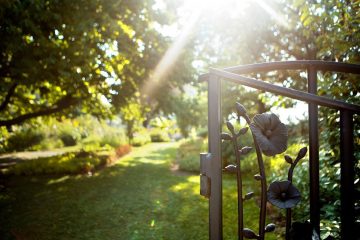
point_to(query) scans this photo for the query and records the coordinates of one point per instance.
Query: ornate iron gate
(211, 164)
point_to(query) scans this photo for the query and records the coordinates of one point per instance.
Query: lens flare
(197, 9)
(279, 18)
(170, 56)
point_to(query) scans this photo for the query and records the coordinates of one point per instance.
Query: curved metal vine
(237, 169)
(280, 193)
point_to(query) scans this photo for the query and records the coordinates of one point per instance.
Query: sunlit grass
(137, 198)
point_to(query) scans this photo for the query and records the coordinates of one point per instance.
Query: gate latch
(205, 181)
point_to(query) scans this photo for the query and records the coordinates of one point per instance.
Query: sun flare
(189, 16)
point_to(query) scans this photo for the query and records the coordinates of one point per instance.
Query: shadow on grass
(138, 198)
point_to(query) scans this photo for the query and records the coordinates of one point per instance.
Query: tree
(133, 114)
(70, 57)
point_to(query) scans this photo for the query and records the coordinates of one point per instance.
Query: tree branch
(7, 97)
(60, 105)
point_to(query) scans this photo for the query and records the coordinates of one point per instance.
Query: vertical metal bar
(347, 175)
(314, 152)
(214, 125)
(239, 188)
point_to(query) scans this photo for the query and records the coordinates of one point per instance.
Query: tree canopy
(67, 58)
(72, 57)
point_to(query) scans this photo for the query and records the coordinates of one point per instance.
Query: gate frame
(211, 163)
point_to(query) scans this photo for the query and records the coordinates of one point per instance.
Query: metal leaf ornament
(271, 134)
(283, 194)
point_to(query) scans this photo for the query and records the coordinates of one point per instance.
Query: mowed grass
(137, 198)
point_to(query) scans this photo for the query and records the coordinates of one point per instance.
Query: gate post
(214, 125)
(314, 152)
(347, 175)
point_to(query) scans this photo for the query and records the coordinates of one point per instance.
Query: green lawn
(137, 198)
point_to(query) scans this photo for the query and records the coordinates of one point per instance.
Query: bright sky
(299, 112)
(189, 14)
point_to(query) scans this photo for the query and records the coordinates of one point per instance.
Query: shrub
(113, 138)
(50, 133)
(47, 144)
(4, 135)
(89, 130)
(104, 136)
(91, 142)
(165, 125)
(69, 134)
(68, 163)
(158, 135)
(24, 139)
(141, 138)
(69, 138)
(188, 154)
(123, 150)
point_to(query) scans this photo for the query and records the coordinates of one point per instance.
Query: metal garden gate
(211, 164)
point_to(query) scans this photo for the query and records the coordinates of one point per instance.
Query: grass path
(137, 198)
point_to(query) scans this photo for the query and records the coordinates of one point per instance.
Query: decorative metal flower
(270, 133)
(283, 194)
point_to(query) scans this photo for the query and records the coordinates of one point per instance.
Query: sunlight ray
(279, 18)
(171, 55)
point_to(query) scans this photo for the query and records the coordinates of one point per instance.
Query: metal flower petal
(271, 134)
(283, 194)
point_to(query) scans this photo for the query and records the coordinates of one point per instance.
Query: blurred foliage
(189, 110)
(69, 135)
(25, 139)
(123, 150)
(158, 135)
(188, 154)
(166, 125)
(68, 163)
(141, 138)
(113, 137)
(132, 115)
(202, 132)
(47, 134)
